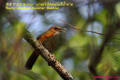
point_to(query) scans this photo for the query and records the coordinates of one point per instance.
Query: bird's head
(50, 33)
(57, 30)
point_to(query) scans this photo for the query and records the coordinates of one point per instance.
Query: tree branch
(50, 58)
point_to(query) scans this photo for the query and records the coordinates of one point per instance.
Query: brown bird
(44, 39)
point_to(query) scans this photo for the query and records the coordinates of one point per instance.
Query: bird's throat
(45, 36)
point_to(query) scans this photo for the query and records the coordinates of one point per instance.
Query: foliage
(75, 50)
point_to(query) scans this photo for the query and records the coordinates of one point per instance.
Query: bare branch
(50, 58)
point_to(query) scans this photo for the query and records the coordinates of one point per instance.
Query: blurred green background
(75, 47)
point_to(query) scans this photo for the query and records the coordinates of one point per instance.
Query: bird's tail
(30, 62)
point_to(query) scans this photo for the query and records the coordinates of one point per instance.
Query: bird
(44, 39)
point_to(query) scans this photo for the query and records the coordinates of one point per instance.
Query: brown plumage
(47, 39)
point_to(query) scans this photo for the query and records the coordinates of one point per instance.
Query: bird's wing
(53, 43)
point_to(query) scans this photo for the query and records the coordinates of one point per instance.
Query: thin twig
(95, 32)
(76, 28)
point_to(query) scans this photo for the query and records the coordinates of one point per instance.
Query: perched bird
(44, 39)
